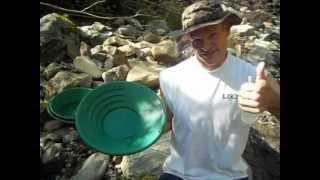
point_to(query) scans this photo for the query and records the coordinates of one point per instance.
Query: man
(205, 97)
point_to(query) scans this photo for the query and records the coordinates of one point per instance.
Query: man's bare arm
(169, 115)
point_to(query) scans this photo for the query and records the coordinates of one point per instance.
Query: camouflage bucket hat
(207, 12)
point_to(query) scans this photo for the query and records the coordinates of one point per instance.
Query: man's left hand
(262, 95)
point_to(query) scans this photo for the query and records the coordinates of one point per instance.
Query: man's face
(210, 44)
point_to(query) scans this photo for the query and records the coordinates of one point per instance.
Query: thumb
(260, 71)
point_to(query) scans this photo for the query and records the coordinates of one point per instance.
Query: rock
(52, 69)
(263, 149)
(149, 161)
(258, 16)
(53, 137)
(96, 49)
(51, 152)
(128, 31)
(118, 73)
(84, 49)
(52, 125)
(145, 73)
(72, 136)
(87, 65)
(134, 22)
(93, 168)
(115, 41)
(165, 52)
(58, 38)
(65, 79)
(95, 33)
(109, 62)
(242, 30)
(243, 9)
(176, 34)
(143, 44)
(143, 53)
(128, 50)
(261, 50)
(109, 49)
(151, 37)
(119, 58)
(118, 22)
(62, 132)
(98, 53)
(158, 27)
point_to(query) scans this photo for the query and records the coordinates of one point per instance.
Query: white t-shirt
(208, 136)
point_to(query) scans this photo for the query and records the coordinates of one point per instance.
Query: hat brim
(231, 17)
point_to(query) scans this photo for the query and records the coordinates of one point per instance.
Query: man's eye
(196, 42)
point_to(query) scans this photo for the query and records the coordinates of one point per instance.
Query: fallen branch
(98, 2)
(89, 15)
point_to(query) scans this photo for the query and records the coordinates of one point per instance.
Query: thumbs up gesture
(263, 94)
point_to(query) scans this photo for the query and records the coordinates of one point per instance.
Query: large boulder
(128, 31)
(148, 162)
(58, 38)
(87, 65)
(115, 41)
(145, 73)
(96, 33)
(165, 52)
(159, 27)
(93, 168)
(263, 148)
(52, 69)
(118, 73)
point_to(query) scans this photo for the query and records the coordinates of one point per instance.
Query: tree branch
(85, 14)
(98, 2)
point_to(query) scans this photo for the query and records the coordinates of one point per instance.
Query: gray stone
(116, 73)
(242, 30)
(93, 168)
(118, 22)
(263, 148)
(115, 41)
(108, 49)
(159, 27)
(165, 52)
(87, 65)
(109, 62)
(53, 137)
(51, 152)
(95, 33)
(134, 22)
(143, 44)
(84, 49)
(151, 37)
(128, 50)
(52, 69)
(128, 31)
(96, 49)
(145, 73)
(52, 125)
(58, 37)
(65, 79)
(149, 161)
(143, 53)
(62, 131)
(72, 136)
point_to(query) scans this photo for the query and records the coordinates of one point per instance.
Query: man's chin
(209, 62)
